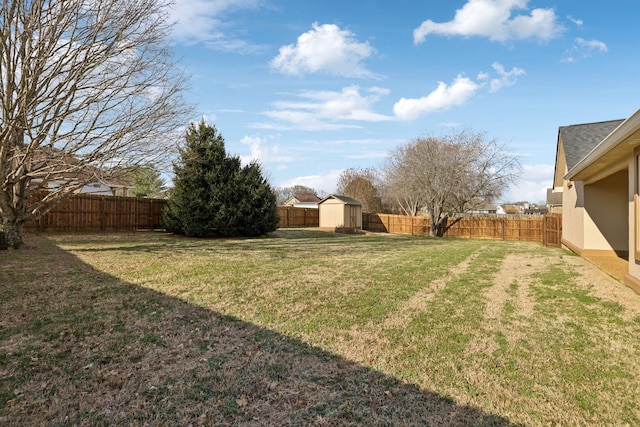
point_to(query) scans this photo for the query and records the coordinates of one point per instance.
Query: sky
(310, 88)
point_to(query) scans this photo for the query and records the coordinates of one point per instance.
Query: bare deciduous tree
(86, 86)
(360, 184)
(448, 175)
(299, 191)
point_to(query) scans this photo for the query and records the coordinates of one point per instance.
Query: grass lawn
(312, 328)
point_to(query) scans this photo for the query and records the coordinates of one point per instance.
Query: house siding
(606, 226)
(573, 218)
(590, 223)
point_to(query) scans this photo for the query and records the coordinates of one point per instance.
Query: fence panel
(297, 217)
(86, 212)
(543, 229)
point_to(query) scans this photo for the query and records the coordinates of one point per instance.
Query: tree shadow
(81, 347)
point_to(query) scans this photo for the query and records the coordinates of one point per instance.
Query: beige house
(340, 213)
(303, 201)
(597, 171)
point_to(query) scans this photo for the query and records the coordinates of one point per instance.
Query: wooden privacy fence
(298, 217)
(544, 229)
(85, 212)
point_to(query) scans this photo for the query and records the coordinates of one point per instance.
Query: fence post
(102, 215)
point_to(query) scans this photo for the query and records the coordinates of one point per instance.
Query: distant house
(514, 208)
(340, 213)
(483, 209)
(303, 201)
(107, 187)
(536, 211)
(554, 201)
(597, 171)
(59, 168)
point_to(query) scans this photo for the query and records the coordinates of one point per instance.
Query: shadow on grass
(80, 347)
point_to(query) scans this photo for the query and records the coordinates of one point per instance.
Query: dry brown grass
(309, 328)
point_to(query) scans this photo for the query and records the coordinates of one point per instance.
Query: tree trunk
(433, 226)
(13, 233)
(441, 227)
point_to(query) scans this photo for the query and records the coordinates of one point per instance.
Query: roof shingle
(579, 140)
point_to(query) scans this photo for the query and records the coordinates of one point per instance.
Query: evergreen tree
(214, 195)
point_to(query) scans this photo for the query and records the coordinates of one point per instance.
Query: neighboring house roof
(554, 198)
(308, 198)
(302, 198)
(346, 200)
(485, 206)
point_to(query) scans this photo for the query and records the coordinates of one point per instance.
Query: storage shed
(340, 213)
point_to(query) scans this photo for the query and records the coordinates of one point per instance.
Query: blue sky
(312, 87)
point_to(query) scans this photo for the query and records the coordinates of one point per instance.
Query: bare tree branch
(448, 175)
(85, 86)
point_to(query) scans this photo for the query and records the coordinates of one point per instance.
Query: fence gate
(553, 230)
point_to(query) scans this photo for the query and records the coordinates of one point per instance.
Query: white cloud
(300, 120)
(324, 182)
(533, 184)
(230, 110)
(325, 110)
(327, 49)
(576, 21)
(458, 93)
(582, 49)
(505, 78)
(493, 19)
(200, 21)
(262, 151)
(443, 97)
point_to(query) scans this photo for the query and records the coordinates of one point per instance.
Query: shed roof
(346, 200)
(579, 140)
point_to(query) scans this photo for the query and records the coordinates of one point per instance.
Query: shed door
(353, 216)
